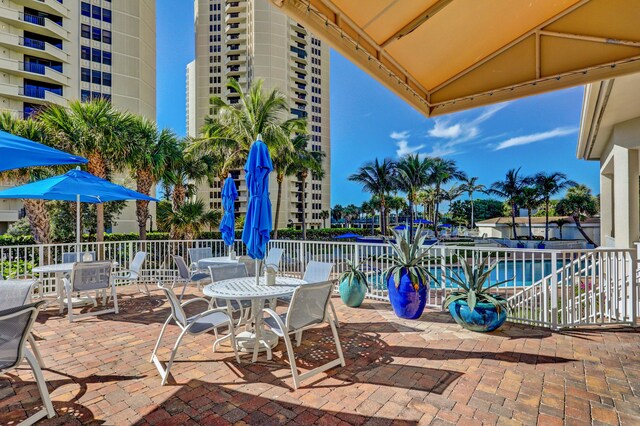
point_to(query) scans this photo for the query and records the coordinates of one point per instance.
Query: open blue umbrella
(423, 221)
(78, 186)
(227, 224)
(400, 227)
(258, 223)
(347, 235)
(17, 152)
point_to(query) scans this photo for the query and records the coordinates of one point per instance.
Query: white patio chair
(308, 308)
(186, 276)
(15, 329)
(250, 264)
(14, 293)
(134, 272)
(273, 258)
(77, 256)
(90, 277)
(197, 254)
(205, 321)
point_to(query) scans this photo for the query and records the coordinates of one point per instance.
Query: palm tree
(560, 222)
(147, 162)
(36, 212)
(307, 161)
(412, 174)
(529, 198)
(95, 130)
(470, 186)
(337, 212)
(427, 197)
(324, 215)
(550, 184)
(369, 210)
(442, 172)
(396, 204)
(510, 188)
(579, 204)
(183, 170)
(377, 178)
(351, 212)
(189, 220)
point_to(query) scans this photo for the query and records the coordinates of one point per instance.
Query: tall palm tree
(190, 219)
(324, 215)
(396, 204)
(377, 178)
(529, 198)
(95, 130)
(470, 186)
(427, 198)
(579, 203)
(412, 174)
(307, 162)
(183, 170)
(147, 162)
(351, 212)
(550, 184)
(36, 212)
(509, 189)
(442, 172)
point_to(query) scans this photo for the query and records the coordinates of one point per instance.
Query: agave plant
(472, 286)
(353, 274)
(408, 258)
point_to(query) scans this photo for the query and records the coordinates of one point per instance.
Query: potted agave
(353, 285)
(472, 305)
(406, 277)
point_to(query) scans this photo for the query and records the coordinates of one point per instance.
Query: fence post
(301, 256)
(633, 289)
(443, 276)
(554, 291)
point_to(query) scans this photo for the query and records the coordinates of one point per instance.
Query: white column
(626, 196)
(606, 207)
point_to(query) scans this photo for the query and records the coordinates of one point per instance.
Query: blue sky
(367, 120)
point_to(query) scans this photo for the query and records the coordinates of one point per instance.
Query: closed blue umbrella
(227, 224)
(17, 152)
(78, 186)
(258, 223)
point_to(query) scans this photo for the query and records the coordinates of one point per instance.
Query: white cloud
(535, 137)
(405, 149)
(441, 129)
(399, 135)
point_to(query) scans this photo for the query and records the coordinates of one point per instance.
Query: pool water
(523, 272)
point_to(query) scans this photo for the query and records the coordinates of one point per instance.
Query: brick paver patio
(428, 371)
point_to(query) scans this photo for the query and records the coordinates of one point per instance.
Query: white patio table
(247, 289)
(60, 269)
(203, 264)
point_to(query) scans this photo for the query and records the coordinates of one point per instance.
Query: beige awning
(443, 56)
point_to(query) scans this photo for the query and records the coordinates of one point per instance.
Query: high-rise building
(54, 51)
(250, 40)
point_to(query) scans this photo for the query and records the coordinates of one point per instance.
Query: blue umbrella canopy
(400, 227)
(257, 225)
(227, 224)
(17, 152)
(73, 186)
(347, 235)
(423, 221)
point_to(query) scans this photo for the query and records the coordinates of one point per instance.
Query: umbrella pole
(257, 274)
(78, 237)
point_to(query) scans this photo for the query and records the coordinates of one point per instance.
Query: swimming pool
(523, 272)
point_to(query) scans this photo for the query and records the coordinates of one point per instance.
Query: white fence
(551, 288)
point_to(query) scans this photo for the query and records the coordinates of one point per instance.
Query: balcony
(33, 71)
(54, 7)
(236, 48)
(236, 17)
(32, 95)
(236, 28)
(33, 47)
(298, 54)
(233, 7)
(33, 23)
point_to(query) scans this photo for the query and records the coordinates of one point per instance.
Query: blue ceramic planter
(406, 301)
(483, 318)
(352, 294)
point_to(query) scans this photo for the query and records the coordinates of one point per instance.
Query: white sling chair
(187, 276)
(77, 256)
(308, 308)
(133, 273)
(15, 329)
(274, 256)
(208, 320)
(90, 277)
(197, 254)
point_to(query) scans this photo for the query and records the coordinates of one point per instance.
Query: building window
(85, 95)
(96, 12)
(96, 77)
(106, 37)
(95, 33)
(106, 15)
(85, 74)
(85, 9)
(96, 55)
(85, 52)
(106, 79)
(106, 58)
(85, 31)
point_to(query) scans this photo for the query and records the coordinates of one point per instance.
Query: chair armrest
(123, 274)
(197, 299)
(277, 318)
(195, 318)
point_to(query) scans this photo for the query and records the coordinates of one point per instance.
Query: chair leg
(232, 333)
(173, 355)
(186, 283)
(115, 297)
(35, 350)
(298, 338)
(336, 339)
(69, 307)
(155, 349)
(292, 361)
(335, 315)
(42, 384)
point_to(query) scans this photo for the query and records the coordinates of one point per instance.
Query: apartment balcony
(298, 77)
(33, 47)
(297, 69)
(233, 7)
(236, 38)
(298, 36)
(236, 28)
(235, 17)
(297, 27)
(236, 47)
(33, 71)
(297, 54)
(299, 98)
(33, 23)
(48, 6)
(235, 58)
(32, 95)
(298, 89)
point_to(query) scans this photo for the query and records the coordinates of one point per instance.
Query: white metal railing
(552, 288)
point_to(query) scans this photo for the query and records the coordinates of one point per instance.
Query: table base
(246, 341)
